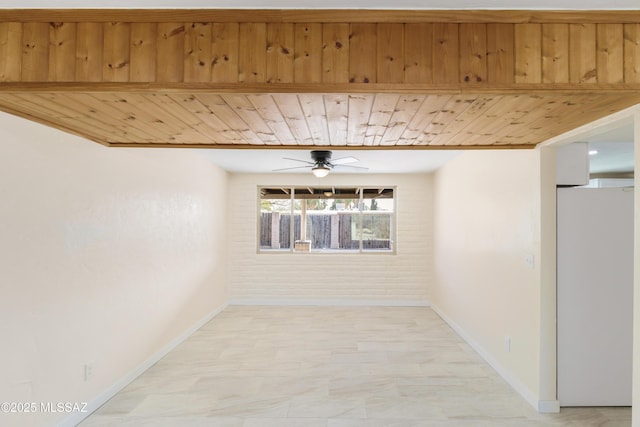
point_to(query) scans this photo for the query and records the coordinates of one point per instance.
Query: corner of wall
(118, 248)
(548, 406)
(547, 279)
(528, 395)
(636, 277)
(487, 225)
(127, 379)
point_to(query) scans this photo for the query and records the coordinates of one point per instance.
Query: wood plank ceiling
(314, 120)
(396, 80)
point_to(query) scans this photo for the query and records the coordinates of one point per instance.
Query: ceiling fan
(322, 163)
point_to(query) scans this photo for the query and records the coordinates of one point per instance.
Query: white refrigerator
(595, 296)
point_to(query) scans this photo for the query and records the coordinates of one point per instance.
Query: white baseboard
(107, 394)
(321, 302)
(543, 406)
(549, 406)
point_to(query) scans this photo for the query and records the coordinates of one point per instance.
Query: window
(307, 219)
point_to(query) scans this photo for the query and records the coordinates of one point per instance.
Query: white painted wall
(487, 220)
(106, 256)
(636, 276)
(316, 278)
(547, 264)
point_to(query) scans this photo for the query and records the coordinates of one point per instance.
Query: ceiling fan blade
(298, 160)
(344, 160)
(352, 167)
(286, 169)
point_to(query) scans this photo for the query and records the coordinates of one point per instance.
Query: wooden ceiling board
(453, 107)
(40, 108)
(220, 114)
(247, 113)
(271, 113)
(495, 118)
(381, 111)
(428, 111)
(336, 107)
(360, 120)
(318, 78)
(291, 109)
(470, 118)
(205, 121)
(359, 114)
(404, 112)
(318, 15)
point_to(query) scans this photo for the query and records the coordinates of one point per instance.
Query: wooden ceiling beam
(318, 79)
(286, 121)
(319, 15)
(325, 147)
(324, 88)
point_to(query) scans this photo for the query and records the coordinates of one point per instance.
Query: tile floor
(329, 367)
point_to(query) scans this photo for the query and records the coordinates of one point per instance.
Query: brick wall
(404, 276)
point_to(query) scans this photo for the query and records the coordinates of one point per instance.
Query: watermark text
(46, 407)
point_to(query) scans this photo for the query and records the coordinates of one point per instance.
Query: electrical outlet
(529, 261)
(88, 371)
(507, 344)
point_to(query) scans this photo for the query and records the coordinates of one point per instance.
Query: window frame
(360, 251)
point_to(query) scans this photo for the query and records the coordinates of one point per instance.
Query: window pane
(301, 242)
(326, 220)
(377, 220)
(275, 220)
(345, 217)
(345, 204)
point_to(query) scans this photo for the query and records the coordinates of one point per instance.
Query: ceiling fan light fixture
(320, 170)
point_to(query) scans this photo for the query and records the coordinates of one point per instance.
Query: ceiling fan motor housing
(320, 156)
